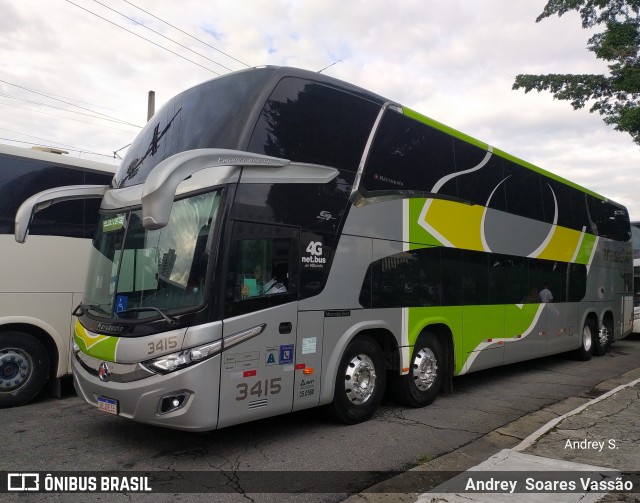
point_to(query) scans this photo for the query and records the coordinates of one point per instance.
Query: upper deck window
(309, 122)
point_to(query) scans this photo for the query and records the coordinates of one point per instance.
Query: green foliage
(615, 96)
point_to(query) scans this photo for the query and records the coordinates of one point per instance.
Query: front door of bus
(259, 329)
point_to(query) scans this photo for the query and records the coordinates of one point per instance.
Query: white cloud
(454, 61)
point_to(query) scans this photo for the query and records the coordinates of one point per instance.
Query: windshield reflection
(164, 269)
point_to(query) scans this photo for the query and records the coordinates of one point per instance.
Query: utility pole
(151, 104)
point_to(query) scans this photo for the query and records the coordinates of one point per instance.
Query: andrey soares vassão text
(532, 485)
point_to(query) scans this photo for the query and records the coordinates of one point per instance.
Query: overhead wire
(143, 38)
(161, 35)
(188, 34)
(100, 115)
(54, 95)
(69, 103)
(36, 137)
(67, 110)
(68, 118)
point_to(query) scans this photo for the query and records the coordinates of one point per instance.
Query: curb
(531, 439)
(515, 436)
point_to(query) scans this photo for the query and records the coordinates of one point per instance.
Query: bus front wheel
(24, 367)
(360, 382)
(423, 382)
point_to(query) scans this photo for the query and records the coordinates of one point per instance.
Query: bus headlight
(177, 361)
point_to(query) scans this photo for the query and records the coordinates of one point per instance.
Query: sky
(75, 74)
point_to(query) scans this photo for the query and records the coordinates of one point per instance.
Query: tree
(615, 96)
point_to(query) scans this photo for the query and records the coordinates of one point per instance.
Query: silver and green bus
(276, 239)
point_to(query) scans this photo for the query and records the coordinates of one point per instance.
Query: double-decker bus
(40, 283)
(276, 239)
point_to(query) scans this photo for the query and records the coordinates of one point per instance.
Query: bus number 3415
(260, 388)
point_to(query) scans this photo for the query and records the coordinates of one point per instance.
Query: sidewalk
(577, 440)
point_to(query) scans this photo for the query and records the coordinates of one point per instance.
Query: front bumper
(140, 400)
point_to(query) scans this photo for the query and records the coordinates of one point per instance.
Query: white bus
(276, 240)
(635, 235)
(41, 283)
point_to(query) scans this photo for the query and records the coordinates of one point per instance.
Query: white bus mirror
(46, 198)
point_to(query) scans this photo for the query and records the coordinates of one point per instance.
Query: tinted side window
(483, 186)
(450, 277)
(609, 220)
(577, 282)
(549, 275)
(263, 267)
(475, 288)
(509, 280)
(571, 204)
(524, 195)
(310, 122)
(407, 154)
(317, 207)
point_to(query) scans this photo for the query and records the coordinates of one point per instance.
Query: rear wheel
(24, 367)
(600, 340)
(607, 326)
(589, 330)
(424, 380)
(360, 381)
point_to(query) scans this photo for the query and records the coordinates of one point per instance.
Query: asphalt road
(69, 435)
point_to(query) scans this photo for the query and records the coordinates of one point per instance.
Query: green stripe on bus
(586, 249)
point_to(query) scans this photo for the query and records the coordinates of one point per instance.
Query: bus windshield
(139, 273)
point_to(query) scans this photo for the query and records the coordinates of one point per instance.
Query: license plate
(108, 405)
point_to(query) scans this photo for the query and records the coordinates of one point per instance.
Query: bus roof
(30, 153)
(258, 83)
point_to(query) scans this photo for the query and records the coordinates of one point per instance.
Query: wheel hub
(15, 368)
(586, 338)
(425, 369)
(360, 379)
(604, 336)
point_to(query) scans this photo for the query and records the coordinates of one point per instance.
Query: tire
(360, 382)
(589, 335)
(24, 368)
(423, 382)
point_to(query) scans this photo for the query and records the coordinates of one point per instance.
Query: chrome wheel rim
(586, 338)
(360, 379)
(425, 369)
(604, 336)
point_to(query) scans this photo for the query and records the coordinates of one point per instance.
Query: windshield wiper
(83, 308)
(173, 322)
